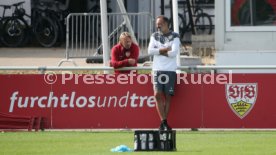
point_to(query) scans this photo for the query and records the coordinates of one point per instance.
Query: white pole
(126, 19)
(105, 41)
(175, 16)
(175, 24)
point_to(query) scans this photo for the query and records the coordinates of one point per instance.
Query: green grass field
(90, 143)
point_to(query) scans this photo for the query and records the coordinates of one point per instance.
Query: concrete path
(36, 57)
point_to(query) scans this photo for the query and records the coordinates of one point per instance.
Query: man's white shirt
(161, 62)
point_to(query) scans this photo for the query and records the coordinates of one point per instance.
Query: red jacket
(119, 56)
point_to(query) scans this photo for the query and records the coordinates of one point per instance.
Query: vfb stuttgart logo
(241, 97)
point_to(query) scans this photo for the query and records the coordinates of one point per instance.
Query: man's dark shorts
(164, 81)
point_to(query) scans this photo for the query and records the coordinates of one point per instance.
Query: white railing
(44, 68)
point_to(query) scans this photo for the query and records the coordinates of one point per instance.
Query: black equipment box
(154, 140)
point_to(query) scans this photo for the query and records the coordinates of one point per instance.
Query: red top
(120, 56)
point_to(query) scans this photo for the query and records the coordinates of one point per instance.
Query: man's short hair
(124, 34)
(166, 19)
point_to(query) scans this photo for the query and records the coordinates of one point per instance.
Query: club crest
(241, 97)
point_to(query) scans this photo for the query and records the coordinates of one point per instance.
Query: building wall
(26, 5)
(240, 40)
(242, 47)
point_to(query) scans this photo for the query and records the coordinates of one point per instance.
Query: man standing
(164, 46)
(124, 54)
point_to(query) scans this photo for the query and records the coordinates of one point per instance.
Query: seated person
(124, 54)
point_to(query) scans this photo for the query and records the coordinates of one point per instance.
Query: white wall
(241, 40)
(242, 47)
(26, 5)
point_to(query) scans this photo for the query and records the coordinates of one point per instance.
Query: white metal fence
(83, 32)
(197, 67)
